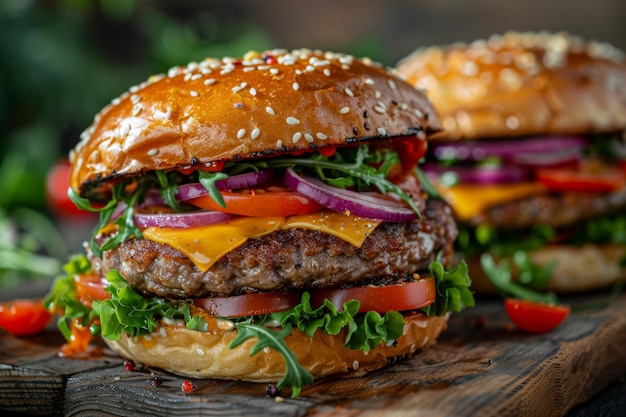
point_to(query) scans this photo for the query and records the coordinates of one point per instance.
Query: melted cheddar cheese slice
(205, 245)
(469, 200)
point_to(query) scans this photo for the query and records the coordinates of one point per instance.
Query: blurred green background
(61, 61)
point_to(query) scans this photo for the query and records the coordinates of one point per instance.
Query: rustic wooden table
(481, 366)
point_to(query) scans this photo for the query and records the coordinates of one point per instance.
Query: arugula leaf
(361, 172)
(208, 179)
(500, 276)
(453, 293)
(169, 189)
(295, 375)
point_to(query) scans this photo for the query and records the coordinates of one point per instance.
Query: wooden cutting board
(481, 366)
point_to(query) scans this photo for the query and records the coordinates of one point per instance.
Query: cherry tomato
(398, 297)
(24, 317)
(90, 287)
(534, 317)
(271, 202)
(599, 179)
(249, 304)
(57, 183)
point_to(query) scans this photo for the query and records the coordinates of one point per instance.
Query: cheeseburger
(261, 219)
(532, 157)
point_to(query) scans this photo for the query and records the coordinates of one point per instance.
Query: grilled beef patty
(553, 209)
(287, 259)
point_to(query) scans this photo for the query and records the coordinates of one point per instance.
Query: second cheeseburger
(533, 153)
(261, 219)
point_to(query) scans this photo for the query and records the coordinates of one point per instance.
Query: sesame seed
(344, 110)
(292, 121)
(391, 83)
(255, 133)
(321, 136)
(296, 86)
(308, 137)
(355, 365)
(369, 81)
(418, 113)
(200, 352)
(148, 337)
(135, 99)
(193, 93)
(238, 105)
(236, 89)
(327, 72)
(377, 94)
(348, 92)
(209, 81)
(512, 122)
(381, 131)
(379, 109)
(162, 332)
(196, 77)
(298, 72)
(274, 71)
(125, 130)
(136, 109)
(270, 110)
(187, 76)
(404, 106)
(296, 137)
(241, 133)
(310, 68)
(248, 69)
(253, 91)
(279, 144)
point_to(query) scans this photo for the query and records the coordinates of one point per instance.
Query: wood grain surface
(481, 366)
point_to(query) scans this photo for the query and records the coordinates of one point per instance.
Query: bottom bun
(207, 355)
(579, 268)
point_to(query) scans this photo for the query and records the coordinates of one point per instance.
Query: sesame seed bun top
(261, 104)
(522, 84)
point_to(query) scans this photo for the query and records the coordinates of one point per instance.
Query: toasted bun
(522, 84)
(259, 105)
(207, 354)
(579, 268)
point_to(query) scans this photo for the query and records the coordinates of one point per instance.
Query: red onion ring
(507, 149)
(181, 220)
(341, 200)
(249, 179)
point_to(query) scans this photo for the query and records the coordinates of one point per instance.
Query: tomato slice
(273, 201)
(90, 287)
(586, 179)
(249, 304)
(24, 317)
(533, 317)
(397, 297)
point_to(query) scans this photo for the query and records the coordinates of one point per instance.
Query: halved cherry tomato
(90, 287)
(533, 317)
(249, 304)
(260, 203)
(397, 297)
(24, 317)
(602, 179)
